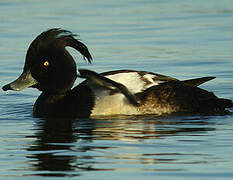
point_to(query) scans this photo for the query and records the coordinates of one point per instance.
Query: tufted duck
(50, 68)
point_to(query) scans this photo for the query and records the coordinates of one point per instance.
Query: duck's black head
(48, 65)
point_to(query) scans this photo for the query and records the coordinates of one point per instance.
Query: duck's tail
(197, 81)
(218, 105)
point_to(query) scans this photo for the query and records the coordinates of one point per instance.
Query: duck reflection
(148, 127)
(69, 146)
(54, 146)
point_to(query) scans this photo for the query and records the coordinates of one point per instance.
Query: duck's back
(108, 102)
(158, 94)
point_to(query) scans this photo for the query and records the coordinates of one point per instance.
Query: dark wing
(185, 98)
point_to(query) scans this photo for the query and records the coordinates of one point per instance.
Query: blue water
(183, 39)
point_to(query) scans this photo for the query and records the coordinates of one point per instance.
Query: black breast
(77, 102)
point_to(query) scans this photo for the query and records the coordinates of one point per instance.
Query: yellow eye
(46, 63)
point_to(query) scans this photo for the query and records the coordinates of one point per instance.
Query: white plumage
(108, 104)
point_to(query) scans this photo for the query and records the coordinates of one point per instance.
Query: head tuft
(56, 37)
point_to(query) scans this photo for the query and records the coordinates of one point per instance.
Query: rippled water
(183, 39)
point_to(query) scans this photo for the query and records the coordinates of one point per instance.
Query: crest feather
(57, 37)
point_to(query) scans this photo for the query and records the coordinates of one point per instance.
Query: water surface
(183, 39)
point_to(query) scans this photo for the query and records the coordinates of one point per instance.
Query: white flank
(107, 104)
(112, 104)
